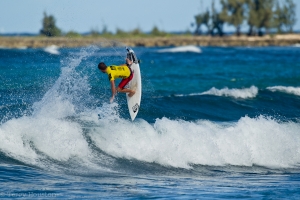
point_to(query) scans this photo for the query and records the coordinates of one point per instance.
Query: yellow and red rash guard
(121, 71)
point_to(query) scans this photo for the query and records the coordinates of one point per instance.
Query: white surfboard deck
(134, 102)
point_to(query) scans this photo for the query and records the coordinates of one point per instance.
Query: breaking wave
(63, 131)
(250, 141)
(289, 89)
(244, 93)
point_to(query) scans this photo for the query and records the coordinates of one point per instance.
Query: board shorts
(125, 81)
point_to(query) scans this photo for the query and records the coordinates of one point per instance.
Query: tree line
(50, 29)
(261, 17)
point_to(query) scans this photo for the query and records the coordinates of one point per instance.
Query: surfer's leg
(125, 90)
(123, 83)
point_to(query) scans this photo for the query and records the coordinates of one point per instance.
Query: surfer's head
(102, 67)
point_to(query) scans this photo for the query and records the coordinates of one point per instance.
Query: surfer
(121, 71)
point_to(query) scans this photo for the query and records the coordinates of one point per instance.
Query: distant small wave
(289, 89)
(244, 93)
(22, 48)
(53, 49)
(296, 45)
(3, 47)
(190, 48)
(19, 48)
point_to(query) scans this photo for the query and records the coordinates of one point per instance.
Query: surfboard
(134, 102)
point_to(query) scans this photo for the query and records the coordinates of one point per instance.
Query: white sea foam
(190, 48)
(244, 93)
(58, 139)
(53, 49)
(250, 141)
(47, 130)
(289, 89)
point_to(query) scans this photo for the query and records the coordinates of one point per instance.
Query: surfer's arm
(113, 90)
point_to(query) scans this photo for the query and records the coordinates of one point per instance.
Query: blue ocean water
(219, 124)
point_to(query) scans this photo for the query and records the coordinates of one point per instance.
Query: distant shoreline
(228, 41)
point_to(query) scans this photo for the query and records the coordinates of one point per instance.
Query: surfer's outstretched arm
(113, 90)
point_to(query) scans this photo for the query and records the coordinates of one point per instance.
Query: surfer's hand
(128, 62)
(111, 99)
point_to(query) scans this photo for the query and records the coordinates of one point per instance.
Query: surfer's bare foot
(131, 93)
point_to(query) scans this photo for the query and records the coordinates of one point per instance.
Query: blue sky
(18, 16)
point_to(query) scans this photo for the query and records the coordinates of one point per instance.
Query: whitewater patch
(58, 139)
(181, 49)
(48, 133)
(250, 141)
(53, 49)
(289, 89)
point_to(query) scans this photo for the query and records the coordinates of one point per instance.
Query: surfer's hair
(102, 66)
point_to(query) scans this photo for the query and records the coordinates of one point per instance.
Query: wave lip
(53, 49)
(181, 49)
(289, 89)
(258, 141)
(244, 93)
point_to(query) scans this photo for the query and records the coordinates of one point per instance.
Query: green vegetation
(262, 16)
(95, 33)
(156, 32)
(285, 17)
(233, 12)
(136, 33)
(72, 34)
(218, 20)
(49, 28)
(202, 19)
(211, 20)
